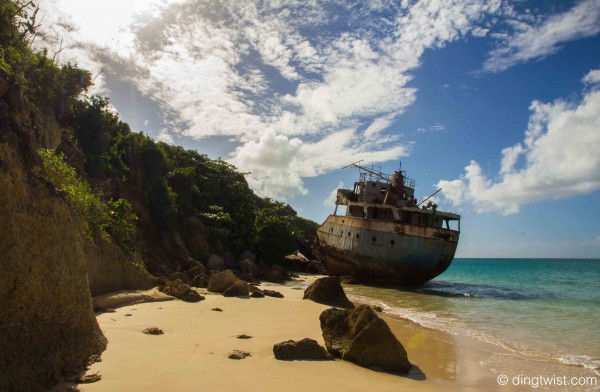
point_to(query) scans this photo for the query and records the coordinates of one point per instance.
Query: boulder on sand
(183, 291)
(274, 277)
(272, 293)
(328, 291)
(201, 281)
(237, 289)
(358, 335)
(195, 271)
(221, 280)
(305, 349)
(248, 266)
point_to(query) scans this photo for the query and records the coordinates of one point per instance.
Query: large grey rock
(358, 335)
(305, 349)
(237, 289)
(328, 291)
(220, 281)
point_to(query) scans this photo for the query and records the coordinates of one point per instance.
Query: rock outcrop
(220, 281)
(215, 263)
(47, 324)
(110, 269)
(183, 291)
(358, 335)
(237, 289)
(195, 271)
(328, 291)
(305, 349)
(248, 266)
(272, 293)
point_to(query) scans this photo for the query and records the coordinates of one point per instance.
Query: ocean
(544, 309)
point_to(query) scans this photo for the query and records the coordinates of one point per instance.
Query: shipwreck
(380, 233)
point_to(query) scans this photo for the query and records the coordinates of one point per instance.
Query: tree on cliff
(176, 193)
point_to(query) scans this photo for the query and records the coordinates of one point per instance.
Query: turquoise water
(546, 308)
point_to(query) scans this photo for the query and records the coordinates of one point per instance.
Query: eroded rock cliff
(47, 326)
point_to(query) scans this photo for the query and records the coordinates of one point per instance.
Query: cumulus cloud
(301, 85)
(332, 198)
(278, 163)
(164, 136)
(274, 161)
(537, 40)
(558, 158)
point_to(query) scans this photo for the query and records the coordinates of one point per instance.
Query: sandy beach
(192, 354)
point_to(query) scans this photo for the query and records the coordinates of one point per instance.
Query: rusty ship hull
(385, 252)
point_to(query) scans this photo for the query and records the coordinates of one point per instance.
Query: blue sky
(496, 102)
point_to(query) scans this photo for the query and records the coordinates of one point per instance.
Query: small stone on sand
(153, 331)
(237, 354)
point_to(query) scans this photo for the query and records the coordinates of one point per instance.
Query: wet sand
(192, 354)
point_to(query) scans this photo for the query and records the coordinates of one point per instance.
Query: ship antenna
(429, 197)
(352, 164)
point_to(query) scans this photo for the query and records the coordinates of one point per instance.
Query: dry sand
(192, 354)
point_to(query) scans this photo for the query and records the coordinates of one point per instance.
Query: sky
(495, 102)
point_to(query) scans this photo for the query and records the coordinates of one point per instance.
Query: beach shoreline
(193, 352)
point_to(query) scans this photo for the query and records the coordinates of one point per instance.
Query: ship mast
(372, 172)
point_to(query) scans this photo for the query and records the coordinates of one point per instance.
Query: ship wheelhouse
(371, 200)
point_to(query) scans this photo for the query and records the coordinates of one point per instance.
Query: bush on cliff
(111, 219)
(273, 237)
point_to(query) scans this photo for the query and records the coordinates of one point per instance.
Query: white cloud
(292, 80)
(592, 77)
(539, 40)
(332, 198)
(275, 164)
(164, 136)
(278, 163)
(378, 125)
(558, 158)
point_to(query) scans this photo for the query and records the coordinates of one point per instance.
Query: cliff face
(47, 326)
(110, 269)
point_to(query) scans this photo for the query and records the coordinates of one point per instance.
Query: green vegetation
(107, 172)
(109, 220)
(45, 83)
(273, 237)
